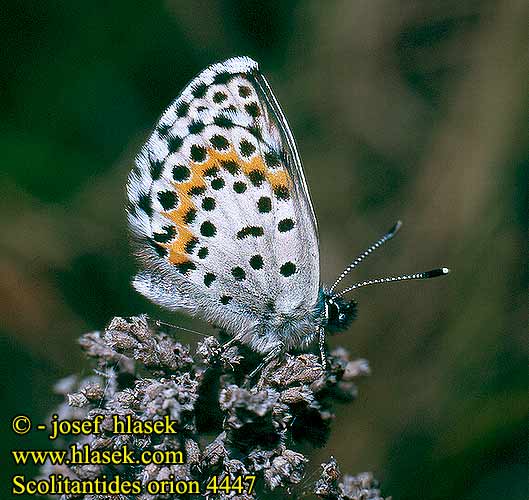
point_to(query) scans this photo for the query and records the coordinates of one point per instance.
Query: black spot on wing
(252, 109)
(145, 203)
(211, 172)
(196, 191)
(208, 204)
(218, 97)
(256, 177)
(155, 168)
(223, 77)
(256, 262)
(288, 269)
(168, 234)
(282, 193)
(231, 166)
(272, 159)
(209, 278)
(203, 252)
(182, 109)
(238, 273)
(264, 205)
(161, 251)
(217, 183)
(168, 199)
(174, 143)
(223, 121)
(181, 173)
(195, 127)
(208, 229)
(198, 153)
(255, 130)
(219, 142)
(247, 148)
(163, 129)
(285, 225)
(244, 91)
(185, 267)
(190, 245)
(239, 187)
(199, 90)
(254, 231)
(190, 216)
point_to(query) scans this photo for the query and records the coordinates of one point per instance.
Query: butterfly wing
(221, 212)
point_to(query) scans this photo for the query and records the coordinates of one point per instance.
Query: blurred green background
(402, 109)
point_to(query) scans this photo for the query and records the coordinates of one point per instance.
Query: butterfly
(223, 222)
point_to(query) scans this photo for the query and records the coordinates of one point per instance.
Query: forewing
(220, 208)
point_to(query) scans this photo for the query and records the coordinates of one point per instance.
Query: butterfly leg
(321, 343)
(229, 342)
(272, 355)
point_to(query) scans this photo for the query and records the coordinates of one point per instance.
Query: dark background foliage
(411, 110)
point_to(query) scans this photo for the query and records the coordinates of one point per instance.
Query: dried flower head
(225, 424)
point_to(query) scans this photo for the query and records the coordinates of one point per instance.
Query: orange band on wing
(277, 178)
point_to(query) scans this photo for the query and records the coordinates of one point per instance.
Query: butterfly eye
(339, 314)
(334, 312)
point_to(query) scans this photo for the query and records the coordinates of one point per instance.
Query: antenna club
(436, 272)
(441, 271)
(395, 228)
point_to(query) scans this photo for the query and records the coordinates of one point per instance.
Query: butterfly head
(339, 313)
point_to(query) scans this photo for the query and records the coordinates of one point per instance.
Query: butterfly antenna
(370, 250)
(389, 279)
